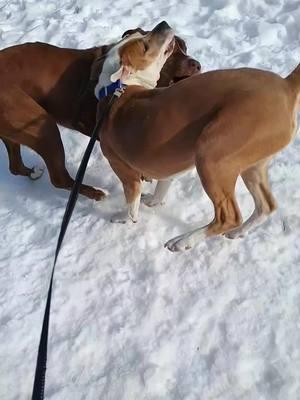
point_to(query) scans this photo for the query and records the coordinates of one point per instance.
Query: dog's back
(42, 71)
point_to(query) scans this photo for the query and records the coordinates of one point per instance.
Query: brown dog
(226, 123)
(42, 86)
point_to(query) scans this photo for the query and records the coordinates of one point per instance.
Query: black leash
(41, 364)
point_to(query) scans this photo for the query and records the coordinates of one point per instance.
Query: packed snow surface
(130, 320)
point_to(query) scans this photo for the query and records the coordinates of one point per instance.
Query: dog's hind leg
(257, 182)
(218, 167)
(28, 124)
(16, 165)
(218, 181)
(50, 147)
(225, 149)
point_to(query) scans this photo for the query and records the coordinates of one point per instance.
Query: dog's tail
(294, 78)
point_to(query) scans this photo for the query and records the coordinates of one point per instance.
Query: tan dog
(44, 85)
(226, 123)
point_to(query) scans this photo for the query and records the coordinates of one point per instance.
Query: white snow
(130, 320)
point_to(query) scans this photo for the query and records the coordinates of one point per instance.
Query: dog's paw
(121, 218)
(36, 173)
(98, 195)
(92, 193)
(188, 240)
(179, 243)
(150, 201)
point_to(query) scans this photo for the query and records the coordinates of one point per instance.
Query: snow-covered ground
(130, 320)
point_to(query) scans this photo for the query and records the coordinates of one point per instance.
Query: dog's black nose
(194, 64)
(162, 26)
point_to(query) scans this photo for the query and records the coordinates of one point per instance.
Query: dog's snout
(162, 26)
(194, 64)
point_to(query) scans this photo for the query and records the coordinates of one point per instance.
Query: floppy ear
(181, 44)
(122, 73)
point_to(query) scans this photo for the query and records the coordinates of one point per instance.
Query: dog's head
(138, 58)
(178, 66)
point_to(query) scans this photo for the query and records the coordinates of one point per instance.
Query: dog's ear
(122, 73)
(180, 43)
(131, 31)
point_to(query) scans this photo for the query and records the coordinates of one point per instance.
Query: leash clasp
(113, 88)
(118, 92)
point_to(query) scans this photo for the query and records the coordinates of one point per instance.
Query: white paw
(187, 240)
(149, 200)
(179, 243)
(121, 218)
(36, 173)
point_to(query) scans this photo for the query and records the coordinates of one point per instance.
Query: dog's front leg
(131, 181)
(132, 191)
(161, 189)
(132, 186)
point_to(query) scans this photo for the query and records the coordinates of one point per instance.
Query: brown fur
(42, 86)
(134, 54)
(226, 123)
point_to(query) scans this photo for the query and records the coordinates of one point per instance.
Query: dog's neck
(147, 78)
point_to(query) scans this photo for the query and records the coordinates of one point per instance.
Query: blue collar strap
(110, 89)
